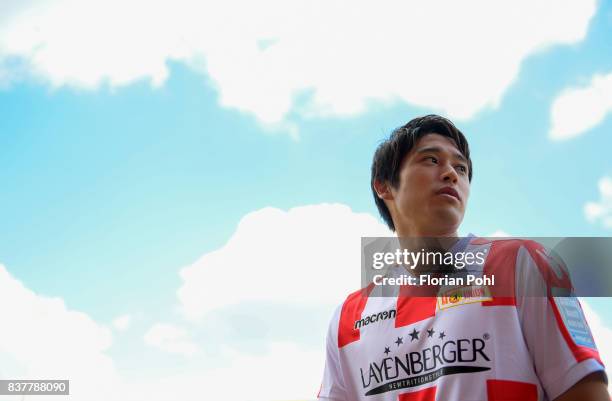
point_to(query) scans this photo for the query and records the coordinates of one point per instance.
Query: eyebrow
(436, 149)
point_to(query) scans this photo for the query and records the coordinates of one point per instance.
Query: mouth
(449, 191)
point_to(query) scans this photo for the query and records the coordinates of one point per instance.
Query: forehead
(438, 141)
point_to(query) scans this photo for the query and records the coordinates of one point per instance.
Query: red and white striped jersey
(472, 348)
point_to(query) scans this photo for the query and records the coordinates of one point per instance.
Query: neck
(416, 232)
(414, 238)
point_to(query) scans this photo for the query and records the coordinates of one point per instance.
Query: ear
(383, 190)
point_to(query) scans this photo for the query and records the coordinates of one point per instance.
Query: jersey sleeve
(554, 326)
(332, 385)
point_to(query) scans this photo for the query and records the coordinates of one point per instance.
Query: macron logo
(375, 317)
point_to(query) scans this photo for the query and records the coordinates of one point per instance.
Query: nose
(449, 174)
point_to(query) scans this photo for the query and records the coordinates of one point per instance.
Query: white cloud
(170, 338)
(601, 211)
(576, 110)
(306, 256)
(122, 322)
(284, 372)
(453, 57)
(41, 338)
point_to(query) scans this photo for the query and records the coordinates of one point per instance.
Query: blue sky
(116, 179)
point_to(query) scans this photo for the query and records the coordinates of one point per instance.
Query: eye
(462, 168)
(433, 159)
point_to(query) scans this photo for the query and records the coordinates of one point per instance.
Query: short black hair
(390, 154)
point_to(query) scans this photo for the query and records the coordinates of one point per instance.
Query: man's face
(433, 189)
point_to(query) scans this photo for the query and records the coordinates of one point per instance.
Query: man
(491, 348)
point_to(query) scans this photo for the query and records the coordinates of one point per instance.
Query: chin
(448, 220)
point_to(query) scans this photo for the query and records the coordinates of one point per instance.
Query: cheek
(414, 193)
(415, 185)
(419, 178)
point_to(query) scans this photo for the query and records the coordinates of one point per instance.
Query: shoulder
(526, 254)
(342, 325)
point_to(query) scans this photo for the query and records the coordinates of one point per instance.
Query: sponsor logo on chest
(433, 356)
